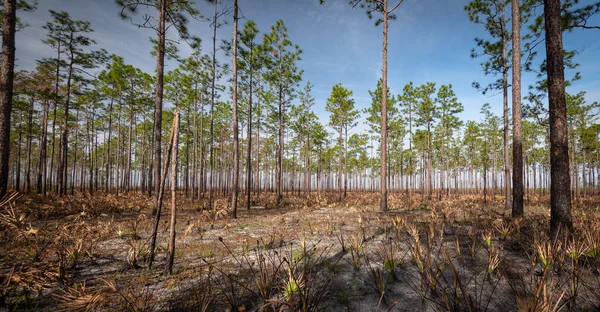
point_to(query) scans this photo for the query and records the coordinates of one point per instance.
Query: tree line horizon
(250, 126)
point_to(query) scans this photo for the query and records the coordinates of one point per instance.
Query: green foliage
(373, 118)
(491, 15)
(427, 109)
(177, 12)
(341, 106)
(22, 5)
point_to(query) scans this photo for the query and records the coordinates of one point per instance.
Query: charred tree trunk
(560, 197)
(517, 178)
(7, 72)
(41, 175)
(507, 192)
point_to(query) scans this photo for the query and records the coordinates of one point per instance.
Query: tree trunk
(560, 197)
(195, 153)
(29, 151)
(281, 139)
(18, 160)
(129, 149)
(249, 135)
(429, 184)
(236, 148)
(442, 157)
(517, 178)
(383, 187)
(507, 192)
(346, 162)
(7, 72)
(118, 154)
(160, 68)
(64, 142)
(174, 151)
(75, 147)
(159, 194)
(340, 158)
(41, 175)
(212, 109)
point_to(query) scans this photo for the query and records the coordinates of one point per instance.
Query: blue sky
(430, 41)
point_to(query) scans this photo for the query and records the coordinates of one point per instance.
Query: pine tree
(283, 74)
(341, 106)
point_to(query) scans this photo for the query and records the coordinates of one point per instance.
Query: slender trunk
(212, 108)
(129, 149)
(195, 183)
(507, 192)
(236, 148)
(160, 193)
(340, 154)
(346, 163)
(107, 180)
(75, 147)
(174, 151)
(429, 184)
(484, 171)
(575, 165)
(280, 135)
(517, 205)
(383, 187)
(410, 156)
(94, 153)
(249, 135)
(18, 160)
(259, 113)
(186, 174)
(118, 155)
(583, 175)
(29, 151)
(442, 157)
(41, 175)
(64, 142)
(160, 68)
(54, 114)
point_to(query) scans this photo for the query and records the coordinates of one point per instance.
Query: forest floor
(84, 253)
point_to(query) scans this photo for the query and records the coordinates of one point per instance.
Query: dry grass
(83, 253)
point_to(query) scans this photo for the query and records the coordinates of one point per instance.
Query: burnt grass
(89, 253)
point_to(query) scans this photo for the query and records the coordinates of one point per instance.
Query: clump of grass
(80, 297)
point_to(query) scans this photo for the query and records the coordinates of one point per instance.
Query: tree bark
(280, 135)
(212, 110)
(249, 135)
(64, 142)
(507, 193)
(517, 178)
(174, 153)
(340, 158)
(560, 197)
(7, 72)
(160, 69)
(159, 194)
(29, 151)
(383, 181)
(236, 148)
(41, 175)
